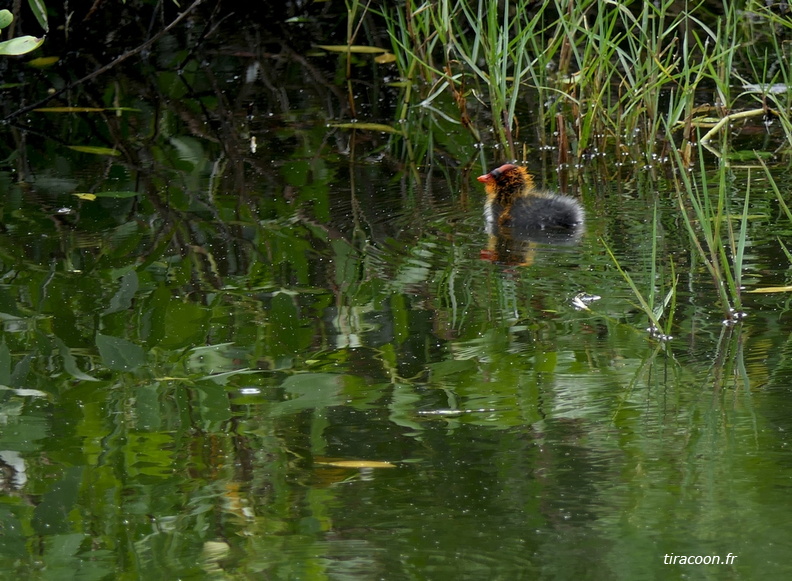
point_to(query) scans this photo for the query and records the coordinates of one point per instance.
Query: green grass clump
(587, 76)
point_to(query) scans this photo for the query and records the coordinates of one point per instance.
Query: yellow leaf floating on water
(68, 109)
(43, 62)
(357, 464)
(353, 48)
(382, 59)
(94, 150)
(89, 197)
(771, 289)
(367, 126)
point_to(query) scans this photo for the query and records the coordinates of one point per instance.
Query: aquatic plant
(708, 220)
(20, 45)
(587, 76)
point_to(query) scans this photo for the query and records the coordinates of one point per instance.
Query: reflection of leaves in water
(443, 368)
(189, 149)
(69, 363)
(122, 300)
(119, 354)
(5, 364)
(311, 390)
(150, 454)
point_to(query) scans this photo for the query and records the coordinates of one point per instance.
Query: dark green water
(202, 444)
(186, 370)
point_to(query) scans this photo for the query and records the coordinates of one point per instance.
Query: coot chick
(514, 202)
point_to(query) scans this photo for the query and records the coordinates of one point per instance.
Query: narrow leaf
(40, 12)
(771, 289)
(357, 464)
(116, 194)
(95, 150)
(353, 48)
(68, 109)
(367, 126)
(83, 109)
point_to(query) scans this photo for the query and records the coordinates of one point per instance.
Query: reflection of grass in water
(660, 314)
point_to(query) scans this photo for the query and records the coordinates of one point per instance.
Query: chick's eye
(496, 173)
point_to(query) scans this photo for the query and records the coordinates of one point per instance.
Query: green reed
(470, 50)
(708, 220)
(584, 75)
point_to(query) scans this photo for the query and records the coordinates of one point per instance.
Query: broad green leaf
(89, 197)
(20, 45)
(40, 12)
(125, 294)
(310, 390)
(353, 48)
(186, 324)
(147, 407)
(367, 126)
(21, 370)
(119, 354)
(52, 518)
(214, 406)
(6, 18)
(95, 150)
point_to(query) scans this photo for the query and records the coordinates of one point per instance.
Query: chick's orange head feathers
(508, 179)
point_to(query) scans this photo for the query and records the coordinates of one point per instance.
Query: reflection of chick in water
(518, 215)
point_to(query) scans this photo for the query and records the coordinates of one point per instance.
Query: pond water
(301, 360)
